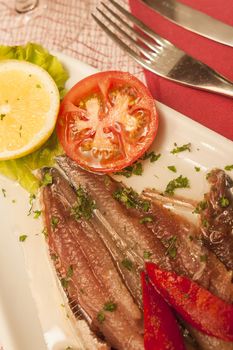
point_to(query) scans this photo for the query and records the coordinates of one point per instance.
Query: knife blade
(193, 20)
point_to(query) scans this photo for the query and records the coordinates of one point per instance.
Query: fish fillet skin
(94, 281)
(214, 278)
(217, 217)
(136, 237)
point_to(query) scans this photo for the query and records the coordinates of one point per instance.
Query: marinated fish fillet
(87, 271)
(126, 230)
(217, 217)
(177, 239)
(182, 240)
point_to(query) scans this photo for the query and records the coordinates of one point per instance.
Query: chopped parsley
(179, 182)
(101, 316)
(38, 86)
(47, 179)
(224, 202)
(134, 169)
(172, 168)
(2, 116)
(152, 156)
(203, 258)
(54, 222)
(65, 280)
(110, 306)
(200, 207)
(4, 192)
(54, 257)
(127, 264)
(37, 213)
(32, 197)
(84, 206)
(70, 272)
(178, 149)
(146, 219)
(229, 167)
(146, 254)
(22, 238)
(131, 199)
(205, 223)
(172, 249)
(197, 168)
(45, 232)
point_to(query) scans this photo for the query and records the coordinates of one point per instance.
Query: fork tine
(139, 24)
(124, 46)
(139, 36)
(144, 51)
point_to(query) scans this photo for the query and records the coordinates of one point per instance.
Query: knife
(193, 20)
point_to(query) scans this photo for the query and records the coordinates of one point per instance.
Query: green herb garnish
(37, 213)
(172, 249)
(229, 167)
(134, 169)
(32, 197)
(54, 257)
(84, 206)
(65, 280)
(205, 223)
(101, 316)
(45, 232)
(146, 219)
(47, 179)
(147, 255)
(22, 238)
(224, 202)
(203, 258)
(152, 156)
(70, 272)
(38, 86)
(4, 192)
(197, 168)
(179, 182)
(2, 116)
(178, 149)
(127, 264)
(200, 207)
(54, 222)
(172, 168)
(110, 306)
(131, 199)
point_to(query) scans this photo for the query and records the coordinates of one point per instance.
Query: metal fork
(157, 54)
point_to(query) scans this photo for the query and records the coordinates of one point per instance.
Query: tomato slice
(107, 121)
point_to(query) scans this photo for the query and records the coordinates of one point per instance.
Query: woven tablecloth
(66, 26)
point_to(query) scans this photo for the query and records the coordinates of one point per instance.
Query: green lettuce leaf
(23, 169)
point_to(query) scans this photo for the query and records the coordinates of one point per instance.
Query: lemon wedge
(29, 104)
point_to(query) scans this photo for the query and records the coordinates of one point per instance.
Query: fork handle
(194, 73)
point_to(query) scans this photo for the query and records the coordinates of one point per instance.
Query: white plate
(31, 310)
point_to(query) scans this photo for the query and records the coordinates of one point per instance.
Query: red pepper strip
(161, 331)
(195, 304)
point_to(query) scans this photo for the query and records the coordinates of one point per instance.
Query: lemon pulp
(29, 104)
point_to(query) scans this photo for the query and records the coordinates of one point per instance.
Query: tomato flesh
(107, 121)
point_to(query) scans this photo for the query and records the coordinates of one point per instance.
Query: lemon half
(29, 105)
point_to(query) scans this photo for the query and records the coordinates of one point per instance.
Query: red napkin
(211, 110)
